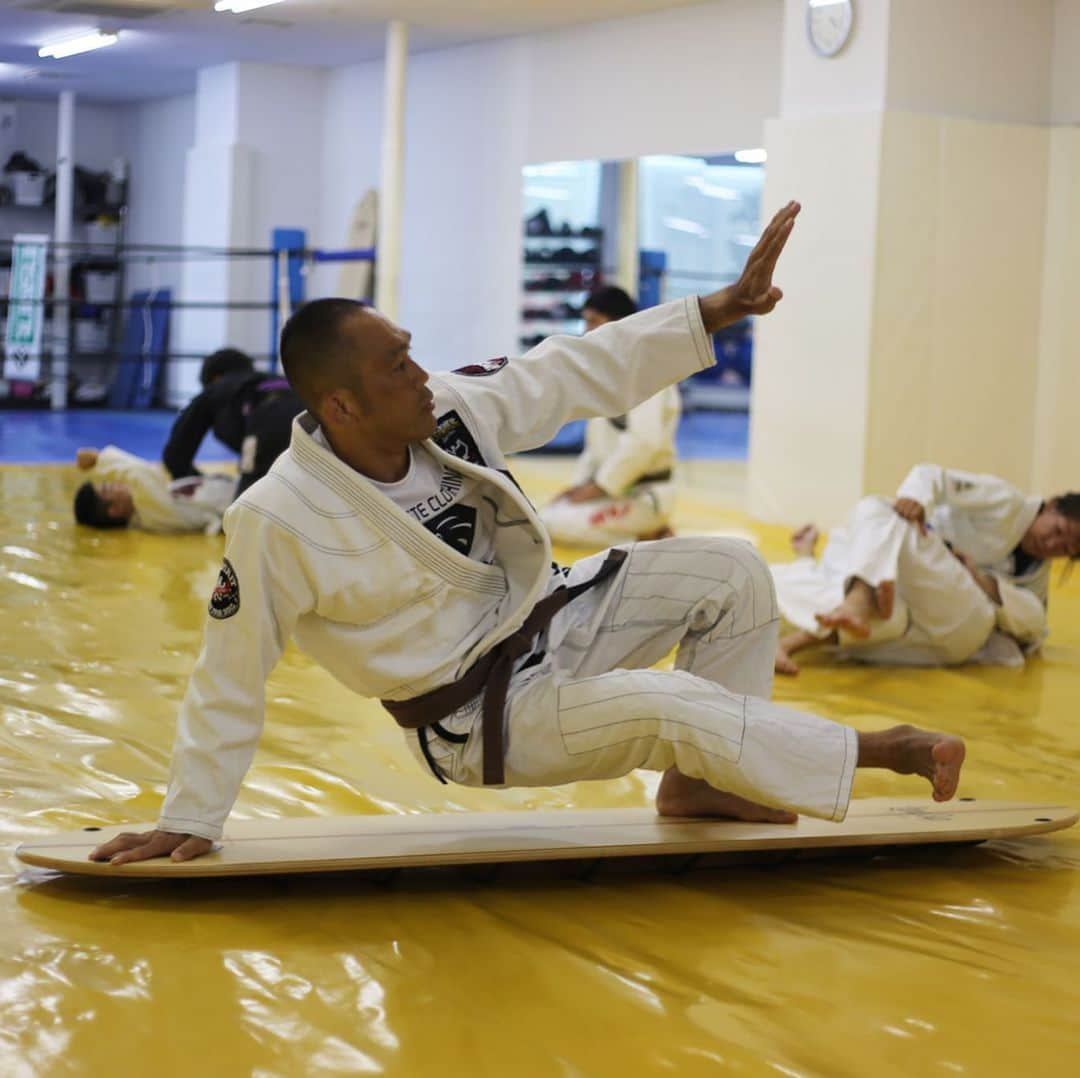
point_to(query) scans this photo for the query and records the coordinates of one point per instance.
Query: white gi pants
(950, 616)
(643, 510)
(592, 710)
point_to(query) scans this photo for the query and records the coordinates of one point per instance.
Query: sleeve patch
(453, 437)
(225, 600)
(483, 370)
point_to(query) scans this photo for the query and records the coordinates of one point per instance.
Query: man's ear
(339, 407)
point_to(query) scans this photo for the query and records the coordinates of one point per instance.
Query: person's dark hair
(612, 302)
(92, 510)
(225, 361)
(1068, 505)
(311, 344)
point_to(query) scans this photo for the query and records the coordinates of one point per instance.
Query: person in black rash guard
(250, 411)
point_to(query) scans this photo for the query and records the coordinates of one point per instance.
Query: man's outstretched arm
(615, 368)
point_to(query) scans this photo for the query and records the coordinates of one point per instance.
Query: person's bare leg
(660, 533)
(854, 613)
(907, 750)
(680, 795)
(884, 598)
(804, 540)
(793, 642)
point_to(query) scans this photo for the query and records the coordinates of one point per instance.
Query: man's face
(118, 501)
(1052, 535)
(388, 386)
(593, 319)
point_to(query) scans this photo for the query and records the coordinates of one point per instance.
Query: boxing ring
(950, 961)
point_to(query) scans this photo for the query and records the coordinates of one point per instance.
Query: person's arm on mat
(261, 592)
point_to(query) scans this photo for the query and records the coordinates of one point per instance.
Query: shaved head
(316, 348)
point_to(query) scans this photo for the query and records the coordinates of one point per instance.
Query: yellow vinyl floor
(931, 962)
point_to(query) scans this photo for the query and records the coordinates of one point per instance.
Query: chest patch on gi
(456, 527)
(453, 437)
(483, 370)
(225, 600)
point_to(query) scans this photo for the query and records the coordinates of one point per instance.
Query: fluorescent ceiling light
(825, 3)
(711, 190)
(72, 46)
(239, 6)
(751, 157)
(681, 224)
(556, 194)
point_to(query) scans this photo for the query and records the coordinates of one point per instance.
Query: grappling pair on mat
(392, 542)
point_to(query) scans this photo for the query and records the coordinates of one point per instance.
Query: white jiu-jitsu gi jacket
(619, 452)
(164, 505)
(985, 517)
(314, 551)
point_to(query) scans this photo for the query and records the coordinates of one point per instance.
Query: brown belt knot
(490, 675)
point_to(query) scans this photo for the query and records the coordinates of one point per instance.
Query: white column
(627, 269)
(65, 174)
(388, 234)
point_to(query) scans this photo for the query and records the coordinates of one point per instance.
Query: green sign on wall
(26, 308)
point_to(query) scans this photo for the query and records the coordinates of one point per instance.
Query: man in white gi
(125, 491)
(955, 570)
(392, 542)
(624, 484)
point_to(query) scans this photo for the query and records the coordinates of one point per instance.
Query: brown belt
(490, 675)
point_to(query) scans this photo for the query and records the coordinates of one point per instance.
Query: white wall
(959, 280)
(1065, 79)
(700, 79)
(986, 59)
(811, 371)
(155, 139)
(852, 81)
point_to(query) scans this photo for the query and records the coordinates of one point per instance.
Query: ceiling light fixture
(751, 157)
(72, 46)
(237, 7)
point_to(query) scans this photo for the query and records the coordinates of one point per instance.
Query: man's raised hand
(130, 847)
(754, 291)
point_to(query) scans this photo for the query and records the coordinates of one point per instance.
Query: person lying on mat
(956, 569)
(392, 541)
(624, 485)
(250, 411)
(125, 491)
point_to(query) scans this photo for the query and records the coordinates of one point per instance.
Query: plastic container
(29, 188)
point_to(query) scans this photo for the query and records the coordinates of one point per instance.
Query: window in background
(704, 214)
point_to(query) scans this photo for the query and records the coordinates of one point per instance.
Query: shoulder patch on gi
(225, 600)
(482, 370)
(960, 485)
(453, 437)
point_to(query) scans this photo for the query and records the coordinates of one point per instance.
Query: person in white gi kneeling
(624, 483)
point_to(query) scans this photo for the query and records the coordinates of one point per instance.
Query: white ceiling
(164, 42)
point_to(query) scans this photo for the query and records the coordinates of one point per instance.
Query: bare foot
(854, 613)
(907, 750)
(680, 795)
(805, 539)
(784, 663)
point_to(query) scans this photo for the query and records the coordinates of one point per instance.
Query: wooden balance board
(358, 843)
